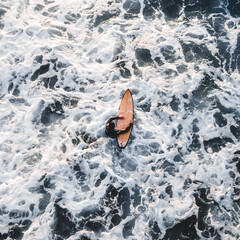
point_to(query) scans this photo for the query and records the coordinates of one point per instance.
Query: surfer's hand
(121, 116)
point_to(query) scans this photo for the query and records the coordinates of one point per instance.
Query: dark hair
(111, 125)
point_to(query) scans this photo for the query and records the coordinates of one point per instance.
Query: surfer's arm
(124, 131)
(114, 118)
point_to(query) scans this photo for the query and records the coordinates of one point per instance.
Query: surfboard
(125, 109)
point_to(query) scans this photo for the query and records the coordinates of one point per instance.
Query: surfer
(113, 132)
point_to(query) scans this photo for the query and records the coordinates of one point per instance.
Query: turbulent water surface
(64, 66)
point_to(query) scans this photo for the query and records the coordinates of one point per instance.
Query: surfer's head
(110, 129)
(110, 126)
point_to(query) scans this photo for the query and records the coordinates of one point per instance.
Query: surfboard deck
(125, 109)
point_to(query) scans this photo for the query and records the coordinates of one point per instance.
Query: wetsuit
(110, 128)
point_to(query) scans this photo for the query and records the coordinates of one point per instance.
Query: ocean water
(64, 67)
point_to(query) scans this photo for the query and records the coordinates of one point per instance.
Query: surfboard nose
(125, 109)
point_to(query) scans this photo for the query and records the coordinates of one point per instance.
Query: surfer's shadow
(130, 142)
(120, 158)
